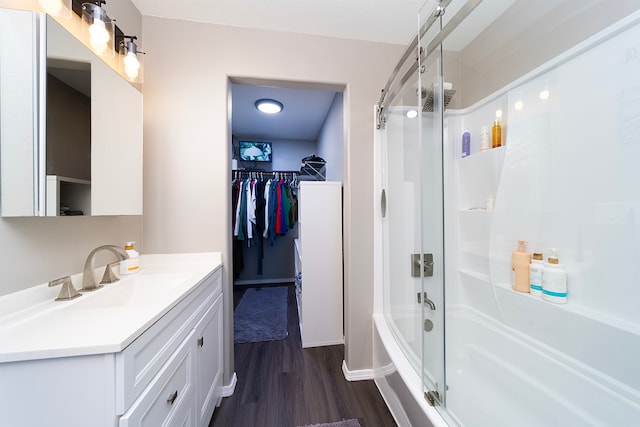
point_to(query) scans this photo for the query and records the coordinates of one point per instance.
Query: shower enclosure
(562, 78)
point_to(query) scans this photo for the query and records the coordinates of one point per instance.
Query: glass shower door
(402, 225)
(431, 208)
(412, 227)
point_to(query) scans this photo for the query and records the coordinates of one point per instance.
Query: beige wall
(36, 250)
(187, 142)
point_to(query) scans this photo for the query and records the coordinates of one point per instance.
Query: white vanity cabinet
(173, 362)
(170, 375)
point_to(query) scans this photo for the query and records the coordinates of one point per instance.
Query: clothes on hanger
(263, 208)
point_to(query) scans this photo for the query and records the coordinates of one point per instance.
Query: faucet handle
(109, 276)
(67, 292)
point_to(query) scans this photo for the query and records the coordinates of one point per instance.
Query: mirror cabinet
(71, 126)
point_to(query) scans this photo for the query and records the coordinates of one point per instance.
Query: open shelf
(68, 194)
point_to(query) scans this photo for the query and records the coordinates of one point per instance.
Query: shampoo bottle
(537, 263)
(484, 138)
(554, 281)
(466, 143)
(131, 265)
(520, 263)
(496, 134)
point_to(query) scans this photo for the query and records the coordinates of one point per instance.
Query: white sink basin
(34, 326)
(139, 289)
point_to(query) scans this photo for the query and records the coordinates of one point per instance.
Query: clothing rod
(263, 171)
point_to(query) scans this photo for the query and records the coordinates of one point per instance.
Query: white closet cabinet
(318, 262)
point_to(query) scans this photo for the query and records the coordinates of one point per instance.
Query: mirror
(86, 132)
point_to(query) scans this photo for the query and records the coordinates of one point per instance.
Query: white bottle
(484, 139)
(537, 264)
(131, 265)
(554, 281)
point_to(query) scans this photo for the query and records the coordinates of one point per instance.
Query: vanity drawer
(169, 397)
(140, 362)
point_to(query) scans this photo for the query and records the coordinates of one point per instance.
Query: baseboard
(264, 281)
(227, 390)
(359, 375)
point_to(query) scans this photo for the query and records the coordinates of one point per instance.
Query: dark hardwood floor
(280, 384)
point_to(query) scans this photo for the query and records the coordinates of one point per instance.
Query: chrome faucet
(428, 302)
(88, 279)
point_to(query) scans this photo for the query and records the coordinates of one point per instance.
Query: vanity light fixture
(269, 106)
(98, 28)
(130, 62)
(57, 8)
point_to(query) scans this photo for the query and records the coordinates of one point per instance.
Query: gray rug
(344, 423)
(261, 315)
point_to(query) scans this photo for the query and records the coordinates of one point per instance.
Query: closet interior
(274, 198)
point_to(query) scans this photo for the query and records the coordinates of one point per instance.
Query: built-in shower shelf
(478, 179)
(474, 274)
(482, 156)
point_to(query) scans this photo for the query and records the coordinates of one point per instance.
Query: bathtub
(497, 376)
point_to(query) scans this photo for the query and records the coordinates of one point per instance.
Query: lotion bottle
(537, 263)
(554, 281)
(520, 264)
(131, 265)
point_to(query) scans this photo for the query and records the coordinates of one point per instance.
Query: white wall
(331, 140)
(187, 142)
(36, 250)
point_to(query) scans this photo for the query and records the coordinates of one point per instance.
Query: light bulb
(518, 105)
(98, 36)
(412, 114)
(498, 113)
(53, 7)
(131, 65)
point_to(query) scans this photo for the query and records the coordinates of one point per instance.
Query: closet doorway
(311, 123)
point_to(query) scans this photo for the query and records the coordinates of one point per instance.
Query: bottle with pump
(131, 265)
(537, 263)
(520, 264)
(484, 138)
(466, 143)
(554, 280)
(496, 134)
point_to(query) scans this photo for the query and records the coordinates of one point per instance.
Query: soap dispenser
(130, 265)
(520, 264)
(554, 280)
(537, 264)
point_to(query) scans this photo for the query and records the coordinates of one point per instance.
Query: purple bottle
(466, 143)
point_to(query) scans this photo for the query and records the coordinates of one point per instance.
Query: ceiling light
(269, 106)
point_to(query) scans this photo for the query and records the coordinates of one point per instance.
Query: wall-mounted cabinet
(71, 116)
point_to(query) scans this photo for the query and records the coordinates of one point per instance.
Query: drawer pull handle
(200, 341)
(172, 398)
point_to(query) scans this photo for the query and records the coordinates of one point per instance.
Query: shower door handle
(425, 263)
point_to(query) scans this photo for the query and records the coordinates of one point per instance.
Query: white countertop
(35, 326)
